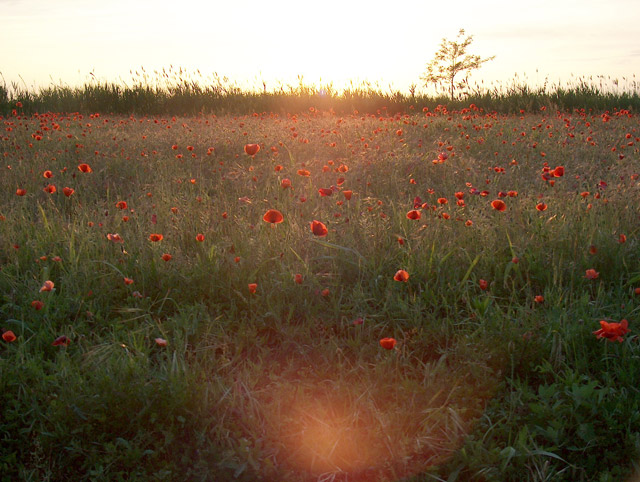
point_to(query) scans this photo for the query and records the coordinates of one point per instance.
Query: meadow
(416, 293)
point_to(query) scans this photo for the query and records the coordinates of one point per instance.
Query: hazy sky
(62, 41)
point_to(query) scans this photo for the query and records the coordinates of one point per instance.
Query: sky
(388, 44)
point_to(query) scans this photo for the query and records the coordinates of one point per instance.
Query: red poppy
(160, 341)
(128, 281)
(298, 278)
(273, 216)
(325, 191)
(166, 257)
(61, 341)
(541, 207)
(347, 194)
(21, 192)
(442, 200)
(285, 183)
(84, 167)
(593, 250)
(483, 284)
(539, 299)
(121, 205)
(388, 343)
(116, 238)
(9, 336)
(558, 171)
(251, 149)
(612, 331)
(47, 174)
(622, 238)
(252, 287)
(50, 189)
(68, 191)
(47, 286)
(37, 305)
(155, 237)
(498, 205)
(591, 274)
(303, 172)
(318, 228)
(200, 237)
(414, 214)
(401, 275)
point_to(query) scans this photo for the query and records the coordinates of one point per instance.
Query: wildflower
(483, 284)
(541, 207)
(414, 214)
(252, 287)
(251, 149)
(325, 191)
(116, 238)
(47, 174)
(121, 204)
(47, 286)
(303, 172)
(84, 167)
(200, 237)
(68, 191)
(347, 194)
(622, 238)
(401, 275)
(298, 278)
(318, 228)
(61, 341)
(160, 341)
(128, 281)
(37, 305)
(612, 331)
(21, 192)
(325, 292)
(9, 336)
(155, 237)
(166, 257)
(285, 183)
(539, 299)
(498, 205)
(273, 216)
(558, 171)
(388, 343)
(50, 189)
(591, 274)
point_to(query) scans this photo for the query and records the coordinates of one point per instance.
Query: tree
(450, 60)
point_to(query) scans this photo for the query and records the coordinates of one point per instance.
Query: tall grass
(173, 92)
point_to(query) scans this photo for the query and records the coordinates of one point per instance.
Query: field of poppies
(425, 295)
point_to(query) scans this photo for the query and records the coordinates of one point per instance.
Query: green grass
(281, 384)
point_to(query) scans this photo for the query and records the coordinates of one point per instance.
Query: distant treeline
(192, 98)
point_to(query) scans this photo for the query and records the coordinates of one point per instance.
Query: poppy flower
(325, 192)
(166, 257)
(612, 331)
(128, 281)
(121, 205)
(37, 305)
(558, 171)
(68, 191)
(251, 149)
(303, 172)
(593, 250)
(483, 284)
(622, 238)
(61, 341)
(318, 228)
(442, 200)
(298, 278)
(160, 341)
(347, 194)
(155, 237)
(116, 238)
(591, 274)
(84, 167)
(50, 189)
(388, 343)
(9, 336)
(21, 192)
(285, 183)
(47, 174)
(414, 214)
(273, 216)
(498, 205)
(541, 207)
(325, 292)
(200, 237)
(252, 287)
(401, 275)
(47, 286)
(539, 299)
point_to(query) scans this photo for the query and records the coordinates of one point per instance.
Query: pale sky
(388, 43)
